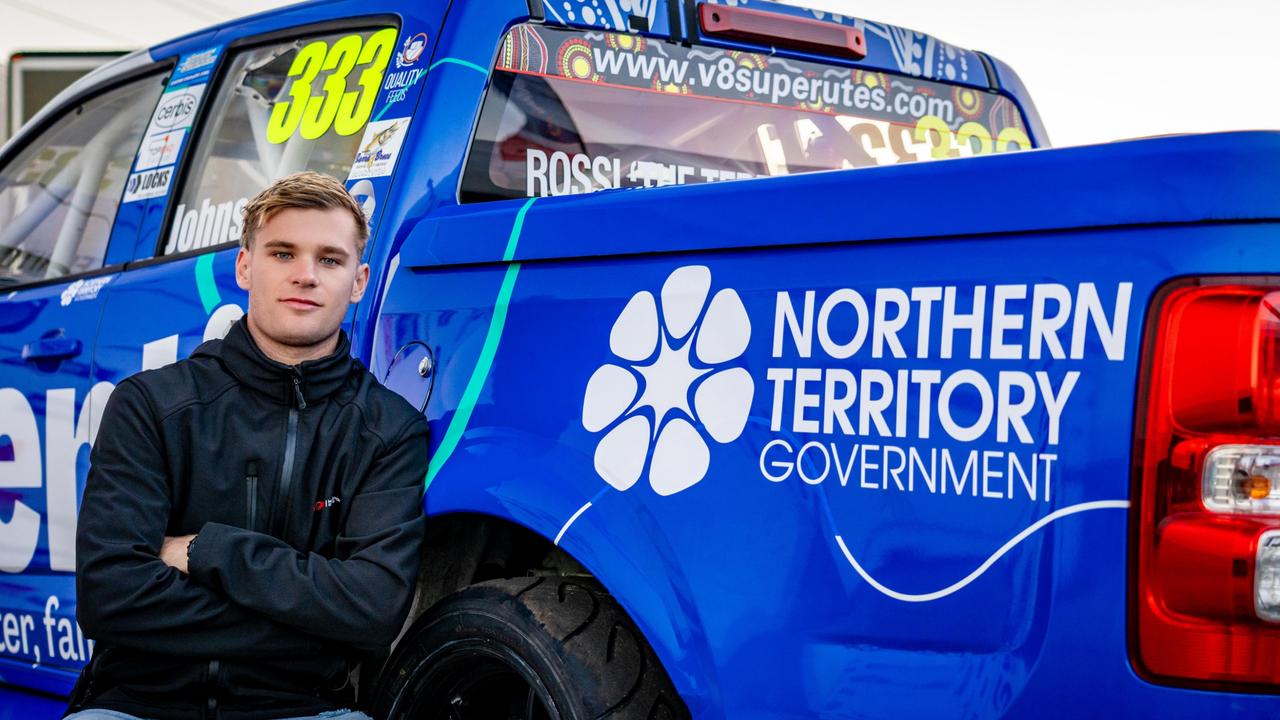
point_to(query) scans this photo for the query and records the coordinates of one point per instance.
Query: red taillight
(1208, 604)
(767, 28)
(1214, 388)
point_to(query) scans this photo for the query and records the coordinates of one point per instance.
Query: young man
(252, 518)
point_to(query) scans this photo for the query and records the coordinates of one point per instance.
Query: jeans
(114, 715)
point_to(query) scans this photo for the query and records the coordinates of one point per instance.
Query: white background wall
(1098, 69)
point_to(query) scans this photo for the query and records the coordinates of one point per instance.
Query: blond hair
(305, 190)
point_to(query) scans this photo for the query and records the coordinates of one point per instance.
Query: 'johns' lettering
(213, 224)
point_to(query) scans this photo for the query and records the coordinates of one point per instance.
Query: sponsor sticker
(196, 61)
(562, 173)
(365, 194)
(196, 66)
(162, 149)
(205, 225)
(858, 401)
(400, 82)
(166, 133)
(379, 148)
(177, 109)
(84, 289)
(162, 143)
(148, 184)
(411, 50)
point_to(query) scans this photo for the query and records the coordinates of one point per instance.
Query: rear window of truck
(572, 111)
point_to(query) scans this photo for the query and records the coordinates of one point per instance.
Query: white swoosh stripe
(1013, 542)
(565, 529)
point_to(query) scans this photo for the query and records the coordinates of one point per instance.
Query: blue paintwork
(740, 583)
(18, 705)
(752, 606)
(1069, 192)
(26, 317)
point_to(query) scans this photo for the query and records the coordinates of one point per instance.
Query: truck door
(60, 189)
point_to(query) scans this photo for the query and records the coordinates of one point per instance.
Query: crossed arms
(245, 593)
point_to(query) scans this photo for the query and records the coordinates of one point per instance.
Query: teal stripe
(456, 61)
(458, 425)
(510, 253)
(434, 65)
(205, 284)
(484, 363)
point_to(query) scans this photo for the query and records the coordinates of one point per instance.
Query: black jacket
(304, 485)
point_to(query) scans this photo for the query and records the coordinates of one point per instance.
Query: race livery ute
(768, 375)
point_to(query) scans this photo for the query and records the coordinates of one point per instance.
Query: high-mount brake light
(1208, 454)
(771, 29)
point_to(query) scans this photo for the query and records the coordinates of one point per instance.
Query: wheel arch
(464, 547)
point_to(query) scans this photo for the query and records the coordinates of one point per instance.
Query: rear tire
(546, 648)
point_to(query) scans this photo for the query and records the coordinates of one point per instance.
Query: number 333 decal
(313, 111)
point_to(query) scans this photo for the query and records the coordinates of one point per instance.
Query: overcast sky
(1101, 70)
(1098, 70)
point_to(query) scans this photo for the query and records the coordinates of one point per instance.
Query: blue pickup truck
(741, 406)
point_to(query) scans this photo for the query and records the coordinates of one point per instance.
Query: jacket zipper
(213, 685)
(286, 473)
(251, 495)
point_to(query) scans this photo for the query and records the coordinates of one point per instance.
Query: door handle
(54, 348)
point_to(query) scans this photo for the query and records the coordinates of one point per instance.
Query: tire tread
(602, 664)
(614, 664)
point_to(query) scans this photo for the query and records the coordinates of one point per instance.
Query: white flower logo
(69, 293)
(679, 356)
